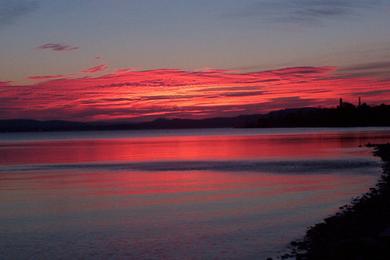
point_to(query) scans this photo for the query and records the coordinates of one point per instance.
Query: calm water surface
(204, 194)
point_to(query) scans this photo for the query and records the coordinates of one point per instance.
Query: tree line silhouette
(344, 115)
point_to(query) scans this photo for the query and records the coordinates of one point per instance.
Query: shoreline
(360, 230)
(104, 129)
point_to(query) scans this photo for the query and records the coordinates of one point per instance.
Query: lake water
(187, 194)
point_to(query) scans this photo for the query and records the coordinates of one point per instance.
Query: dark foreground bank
(360, 230)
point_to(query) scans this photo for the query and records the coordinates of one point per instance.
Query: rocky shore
(360, 230)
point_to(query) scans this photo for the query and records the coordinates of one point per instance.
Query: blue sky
(189, 34)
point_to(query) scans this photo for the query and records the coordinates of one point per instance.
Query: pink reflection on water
(187, 148)
(108, 190)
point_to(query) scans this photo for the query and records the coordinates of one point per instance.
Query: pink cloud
(96, 69)
(5, 83)
(57, 47)
(130, 94)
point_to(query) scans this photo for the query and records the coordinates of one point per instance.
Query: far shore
(345, 115)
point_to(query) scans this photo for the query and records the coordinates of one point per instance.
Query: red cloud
(96, 69)
(128, 94)
(4, 83)
(57, 47)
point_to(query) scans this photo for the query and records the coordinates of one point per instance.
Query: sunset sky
(85, 60)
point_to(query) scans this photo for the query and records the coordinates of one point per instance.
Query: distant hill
(23, 125)
(345, 115)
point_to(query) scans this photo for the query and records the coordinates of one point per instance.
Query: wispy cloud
(369, 66)
(96, 69)
(303, 11)
(45, 77)
(379, 69)
(11, 10)
(57, 47)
